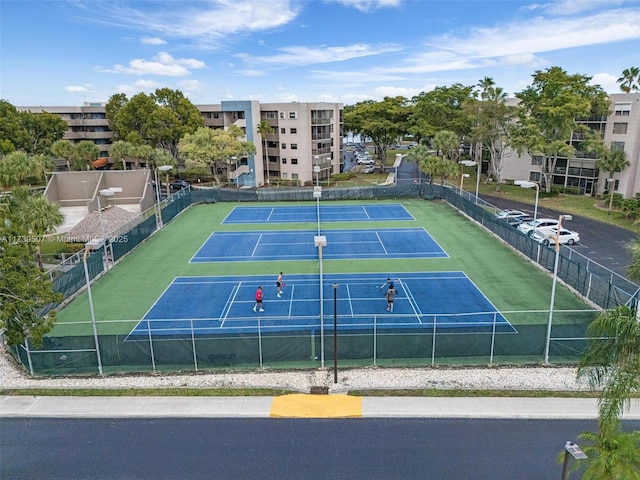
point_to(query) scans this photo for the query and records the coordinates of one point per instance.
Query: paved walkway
(303, 406)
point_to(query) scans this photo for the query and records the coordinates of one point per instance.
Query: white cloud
(163, 64)
(607, 81)
(572, 7)
(367, 5)
(206, 23)
(77, 89)
(302, 55)
(152, 41)
(191, 85)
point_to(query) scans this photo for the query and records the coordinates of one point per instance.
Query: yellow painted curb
(300, 405)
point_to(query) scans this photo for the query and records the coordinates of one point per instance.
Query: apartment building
(87, 122)
(305, 146)
(620, 130)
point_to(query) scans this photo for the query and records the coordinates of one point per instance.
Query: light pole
(162, 168)
(235, 159)
(316, 167)
(462, 177)
(90, 246)
(553, 284)
(107, 192)
(611, 182)
(574, 450)
(528, 184)
(471, 163)
(335, 333)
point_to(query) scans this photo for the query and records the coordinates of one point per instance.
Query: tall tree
(37, 216)
(85, 152)
(630, 80)
(158, 120)
(64, 149)
(213, 149)
(18, 168)
(382, 122)
(441, 109)
(612, 161)
(548, 111)
(492, 126)
(264, 129)
(32, 132)
(24, 292)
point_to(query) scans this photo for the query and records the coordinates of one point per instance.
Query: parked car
(540, 224)
(179, 184)
(513, 217)
(366, 161)
(567, 237)
(369, 169)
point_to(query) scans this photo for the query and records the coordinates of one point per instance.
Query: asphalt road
(605, 244)
(227, 448)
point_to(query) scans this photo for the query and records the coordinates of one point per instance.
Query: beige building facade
(619, 130)
(305, 146)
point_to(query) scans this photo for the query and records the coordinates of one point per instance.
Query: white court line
(230, 300)
(350, 302)
(413, 303)
(270, 214)
(253, 253)
(381, 244)
(291, 301)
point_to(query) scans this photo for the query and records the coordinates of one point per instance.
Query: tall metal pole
(477, 182)
(553, 290)
(535, 208)
(158, 214)
(102, 232)
(335, 333)
(93, 315)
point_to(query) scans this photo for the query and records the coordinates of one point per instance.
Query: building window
(622, 109)
(620, 128)
(293, 115)
(295, 130)
(269, 115)
(284, 160)
(294, 161)
(283, 130)
(536, 160)
(282, 115)
(284, 176)
(294, 176)
(294, 146)
(617, 146)
(284, 146)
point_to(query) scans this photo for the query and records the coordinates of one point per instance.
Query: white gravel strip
(491, 378)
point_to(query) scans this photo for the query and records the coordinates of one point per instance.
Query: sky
(68, 52)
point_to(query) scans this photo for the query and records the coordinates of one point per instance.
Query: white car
(541, 225)
(366, 161)
(513, 217)
(567, 237)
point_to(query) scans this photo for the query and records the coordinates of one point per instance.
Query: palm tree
(37, 216)
(611, 360)
(612, 454)
(264, 128)
(612, 161)
(630, 80)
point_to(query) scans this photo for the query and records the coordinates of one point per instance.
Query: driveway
(605, 244)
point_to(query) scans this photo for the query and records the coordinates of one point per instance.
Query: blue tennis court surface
(224, 305)
(328, 213)
(299, 245)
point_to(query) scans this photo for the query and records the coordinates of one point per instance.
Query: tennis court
(299, 245)
(330, 213)
(224, 305)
